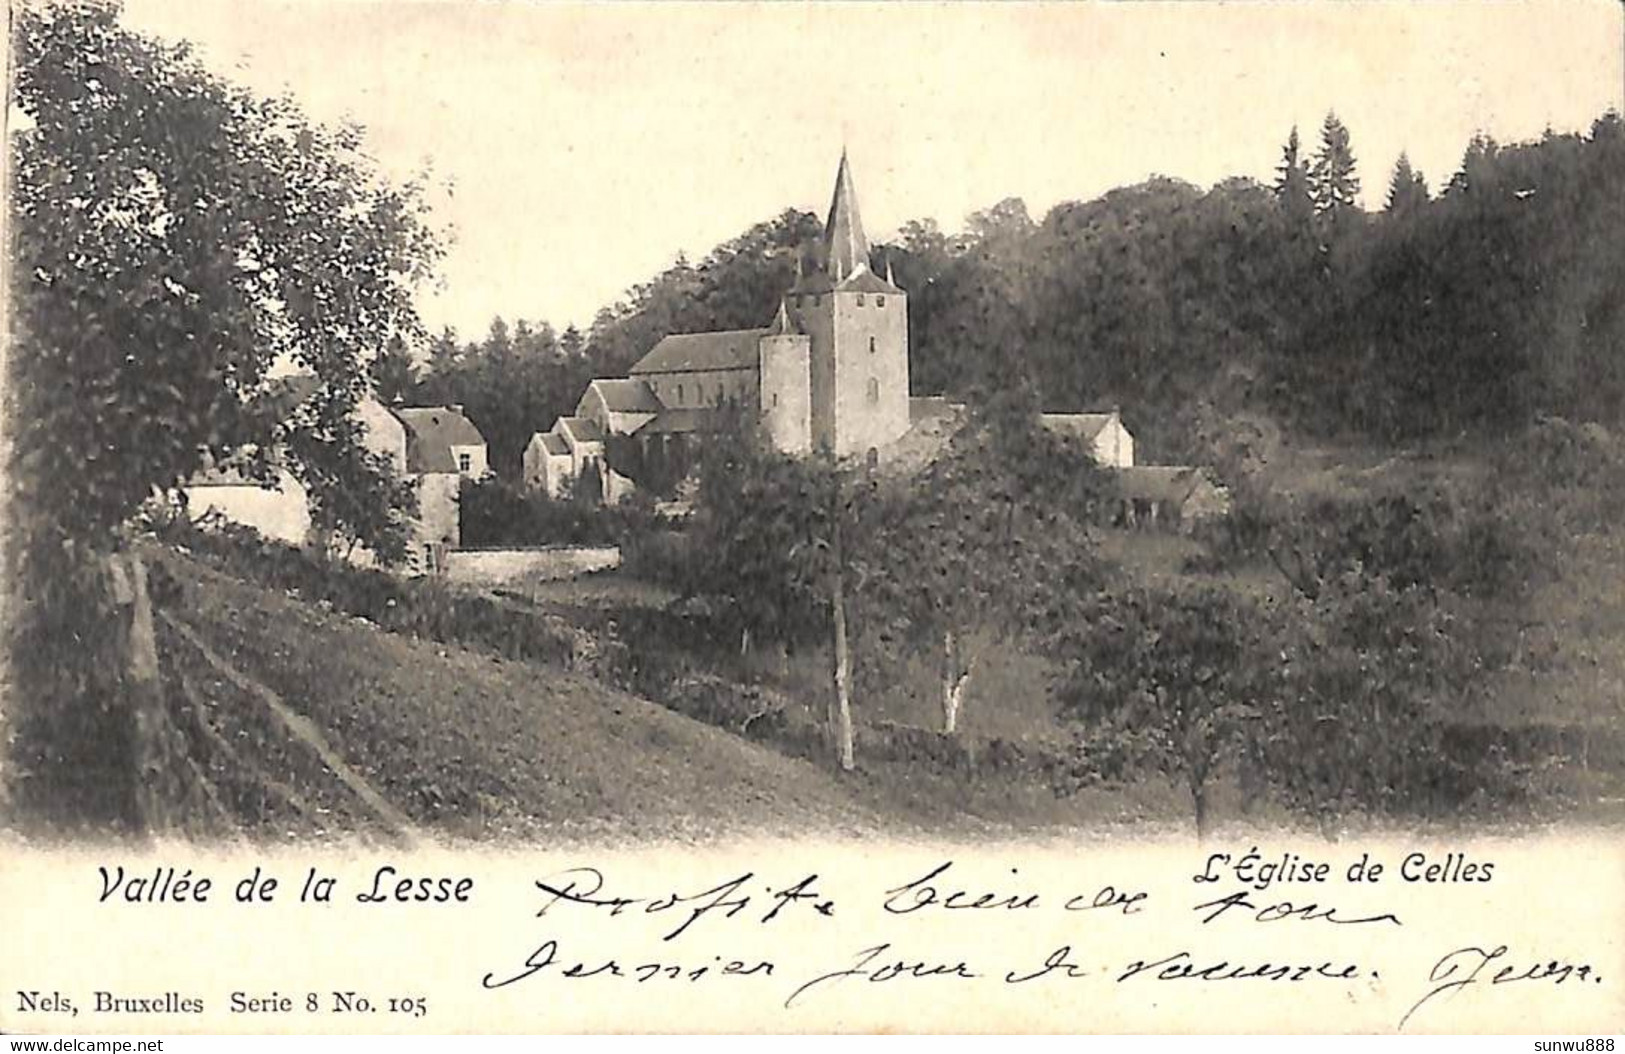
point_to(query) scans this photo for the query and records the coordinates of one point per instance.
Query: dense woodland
(1469, 306)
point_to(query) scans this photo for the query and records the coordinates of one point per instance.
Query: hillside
(462, 745)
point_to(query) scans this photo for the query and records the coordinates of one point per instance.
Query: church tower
(857, 325)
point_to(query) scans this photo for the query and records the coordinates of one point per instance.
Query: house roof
(1083, 426)
(1161, 482)
(431, 433)
(552, 445)
(583, 429)
(440, 424)
(925, 407)
(683, 420)
(732, 349)
(627, 396)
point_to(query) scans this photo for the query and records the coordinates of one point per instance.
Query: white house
(1108, 440)
(434, 446)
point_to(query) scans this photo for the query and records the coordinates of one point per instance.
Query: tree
(1333, 184)
(1292, 187)
(1165, 678)
(174, 236)
(1407, 189)
(975, 544)
(394, 374)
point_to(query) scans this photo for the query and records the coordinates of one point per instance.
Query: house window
(720, 393)
(775, 398)
(880, 300)
(860, 299)
(871, 345)
(465, 463)
(679, 393)
(428, 558)
(817, 300)
(874, 390)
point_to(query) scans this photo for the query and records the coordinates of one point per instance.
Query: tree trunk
(1199, 800)
(954, 680)
(157, 757)
(840, 717)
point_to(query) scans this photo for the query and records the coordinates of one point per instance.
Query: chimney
(455, 408)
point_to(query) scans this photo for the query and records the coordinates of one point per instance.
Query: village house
(830, 370)
(436, 447)
(1166, 497)
(1107, 439)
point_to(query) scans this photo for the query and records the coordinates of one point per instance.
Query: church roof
(627, 396)
(861, 281)
(683, 419)
(553, 445)
(864, 280)
(845, 247)
(1083, 426)
(733, 349)
(783, 325)
(584, 430)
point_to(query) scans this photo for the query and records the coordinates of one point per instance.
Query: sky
(576, 149)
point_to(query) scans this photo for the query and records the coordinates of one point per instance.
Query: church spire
(845, 247)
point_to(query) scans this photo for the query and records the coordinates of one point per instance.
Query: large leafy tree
(173, 237)
(986, 542)
(1167, 679)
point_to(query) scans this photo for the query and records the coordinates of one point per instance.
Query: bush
(495, 513)
(1484, 545)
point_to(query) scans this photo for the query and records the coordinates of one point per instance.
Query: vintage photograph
(489, 424)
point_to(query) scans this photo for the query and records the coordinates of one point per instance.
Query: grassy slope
(475, 747)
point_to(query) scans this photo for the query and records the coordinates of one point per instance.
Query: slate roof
(584, 429)
(731, 349)
(1083, 426)
(1160, 482)
(440, 424)
(431, 432)
(861, 281)
(845, 247)
(925, 407)
(682, 420)
(553, 446)
(627, 396)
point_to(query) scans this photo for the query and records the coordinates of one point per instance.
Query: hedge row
(422, 607)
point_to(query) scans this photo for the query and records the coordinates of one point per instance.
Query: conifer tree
(1407, 189)
(1333, 184)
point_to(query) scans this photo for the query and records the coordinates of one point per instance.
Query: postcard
(826, 518)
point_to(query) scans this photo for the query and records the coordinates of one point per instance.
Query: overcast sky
(587, 145)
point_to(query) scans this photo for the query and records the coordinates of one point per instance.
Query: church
(828, 371)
